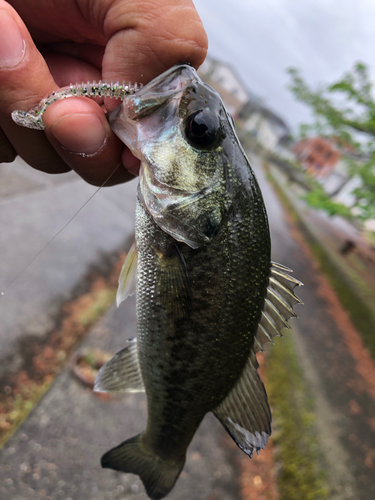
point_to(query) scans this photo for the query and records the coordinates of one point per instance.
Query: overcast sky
(261, 38)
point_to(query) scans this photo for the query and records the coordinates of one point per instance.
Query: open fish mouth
(124, 120)
(158, 92)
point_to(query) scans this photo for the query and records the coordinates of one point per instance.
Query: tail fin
(158, 475)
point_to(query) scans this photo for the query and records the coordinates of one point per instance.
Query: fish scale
(198, 329)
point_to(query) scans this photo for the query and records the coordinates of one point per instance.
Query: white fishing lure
(34, 118)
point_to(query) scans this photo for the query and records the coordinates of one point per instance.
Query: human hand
(45, 45)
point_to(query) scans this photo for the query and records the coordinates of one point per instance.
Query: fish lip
(138, 107)
(175, 79)
(124, 120)
(160, 90)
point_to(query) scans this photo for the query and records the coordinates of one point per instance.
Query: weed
(300, 474)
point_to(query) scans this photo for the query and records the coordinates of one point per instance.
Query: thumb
(146, 38)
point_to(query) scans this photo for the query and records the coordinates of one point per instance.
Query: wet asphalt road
(34, 207)
(55, 454)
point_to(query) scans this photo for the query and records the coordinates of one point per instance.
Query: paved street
(339, 370)
(33, 207)
(56, 453)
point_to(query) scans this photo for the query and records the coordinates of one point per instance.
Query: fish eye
(202, 129)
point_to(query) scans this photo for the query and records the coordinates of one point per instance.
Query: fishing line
(57, 234)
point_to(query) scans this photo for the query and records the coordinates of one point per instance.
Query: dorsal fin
(278, 305)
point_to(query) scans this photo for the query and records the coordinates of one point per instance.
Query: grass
(370, 235)
(22, 405)
(296, 449)
(360, 313)
(300, 473)
(47, 358)
(101, 300)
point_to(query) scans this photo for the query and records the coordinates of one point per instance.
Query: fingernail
(12, 45)
(80, 133)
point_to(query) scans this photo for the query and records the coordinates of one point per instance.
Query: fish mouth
(164, 88)
(159, 91)
(126, 119)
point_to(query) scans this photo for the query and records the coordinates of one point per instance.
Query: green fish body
(208, 295)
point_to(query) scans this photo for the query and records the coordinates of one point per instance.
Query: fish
(208, 296)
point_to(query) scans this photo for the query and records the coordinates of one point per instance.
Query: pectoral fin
(245, 413)
(122, 373)
(173, 283)
(128, 277)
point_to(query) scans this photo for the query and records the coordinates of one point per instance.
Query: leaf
(343, 111)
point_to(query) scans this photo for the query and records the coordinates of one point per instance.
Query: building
(223, 78)
(317, 155)
(267, 127)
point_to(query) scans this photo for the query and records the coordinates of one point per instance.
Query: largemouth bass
(208, 295)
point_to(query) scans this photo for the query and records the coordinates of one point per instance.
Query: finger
(131, 162)
(146, 38)
(81, 135)
(88, 52)
(66, 70)
(24, 81)
(79, 131)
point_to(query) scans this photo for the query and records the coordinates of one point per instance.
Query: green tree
(345, 112)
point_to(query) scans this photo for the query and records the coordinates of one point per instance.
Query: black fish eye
(202, 129)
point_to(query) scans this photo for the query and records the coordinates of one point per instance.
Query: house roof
(254, 102)
(273, 117)
(214, 63)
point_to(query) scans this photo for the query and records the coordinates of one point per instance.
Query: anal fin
(122, 373)
(245, 413)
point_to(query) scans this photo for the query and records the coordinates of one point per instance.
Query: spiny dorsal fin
(122, 373)
(128, 277)
(278, 305)
(245, 413)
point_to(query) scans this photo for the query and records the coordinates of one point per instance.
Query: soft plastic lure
(34, 117)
